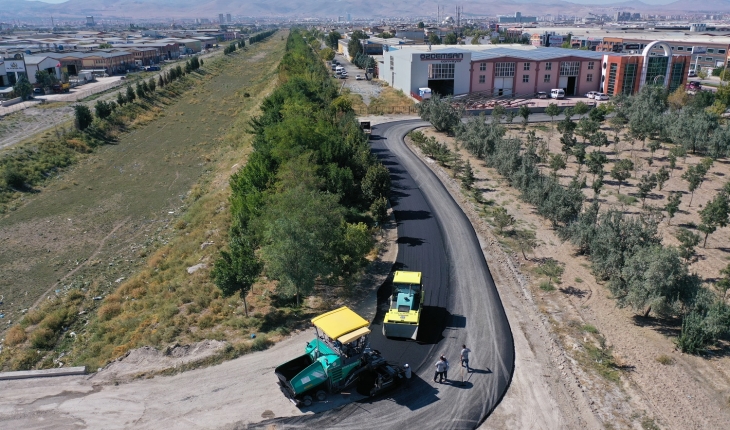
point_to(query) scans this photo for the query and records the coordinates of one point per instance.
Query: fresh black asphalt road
(461, 306)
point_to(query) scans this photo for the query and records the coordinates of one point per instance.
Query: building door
(503, 86)
(570, 88)
(442, 87)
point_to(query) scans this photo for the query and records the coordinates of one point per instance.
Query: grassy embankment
(128, 198)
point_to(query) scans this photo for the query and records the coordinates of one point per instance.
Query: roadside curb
(27, 374)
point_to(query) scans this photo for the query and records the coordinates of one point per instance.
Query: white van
(557, 93)
(339, 70)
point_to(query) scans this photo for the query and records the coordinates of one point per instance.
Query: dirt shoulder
(559, 380)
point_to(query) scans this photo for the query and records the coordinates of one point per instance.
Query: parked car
(38, 92)
(694, 85)
(692, 74)
(542, 95)
(359, 77)
(342, 76)
(591, 94)
(600, 96)
(557, 93)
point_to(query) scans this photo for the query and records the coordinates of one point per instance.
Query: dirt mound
(148, 360)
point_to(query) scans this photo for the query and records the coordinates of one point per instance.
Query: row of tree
(299, 205)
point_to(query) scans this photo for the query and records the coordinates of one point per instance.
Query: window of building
(590, 65)
(589, 77)
(548, 66)
(482, 66)
(569, 68)
(612, 78)
(708, 58)
(525, 78)
(482, 79)
(441, 71)
(680, 48)
(546, 78)
(720, 51)
(504, 70)
(391, 63)
(526, 66)
(710, 50)
(629, 78)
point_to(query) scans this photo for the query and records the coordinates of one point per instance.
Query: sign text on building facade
(444, 58)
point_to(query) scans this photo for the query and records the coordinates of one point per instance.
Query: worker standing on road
(440, 369)
(465, 357)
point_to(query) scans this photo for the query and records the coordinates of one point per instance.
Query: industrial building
(524, 70)
(499, 70)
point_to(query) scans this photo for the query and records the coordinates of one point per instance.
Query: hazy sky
(653, 2)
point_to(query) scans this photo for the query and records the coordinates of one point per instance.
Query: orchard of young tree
(638, 146)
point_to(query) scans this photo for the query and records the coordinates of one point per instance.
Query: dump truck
(406, 303)
(338, 357)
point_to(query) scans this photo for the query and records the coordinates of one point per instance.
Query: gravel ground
(367, 89)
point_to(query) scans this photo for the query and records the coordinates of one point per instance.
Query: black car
(39, 92)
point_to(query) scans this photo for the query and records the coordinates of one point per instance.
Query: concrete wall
(524, 87)
(582, 85)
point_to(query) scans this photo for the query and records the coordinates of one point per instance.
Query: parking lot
(367, 89)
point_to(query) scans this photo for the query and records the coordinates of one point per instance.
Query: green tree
(82, 117)
(467, 178)
(151, 84)
(586, 128)
(332, 39)
(552, 110)
(102, 109)
(450, 39)
(581, 108)
(236, 271)
(105, 46)
(421, 24)
(434, 39)
(598, 139)
(524, 112)
(526, 241)
(672, 206)
(662, 176)
(121, 100)
(379, 210)
(714, 215)
(45, 79)
(622, 171)
(440, 113)
(23, 88)
(376, 182)
(130, 94)
(595, 162)
(724, 283)
(646, 184)
(327, 54)
(598, 114)
(502, 218)
(694, 177)
(302, 228)
(552, 270)
(557, 162)
(688, 241)
(655, 279)
(140, 90)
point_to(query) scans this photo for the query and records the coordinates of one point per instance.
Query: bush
(43, 338)
(379, 210)
(665, 360)
(109, 311)
(546, 286)
(15, 336)
(13, 177)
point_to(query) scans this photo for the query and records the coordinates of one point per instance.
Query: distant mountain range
(164, 9)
